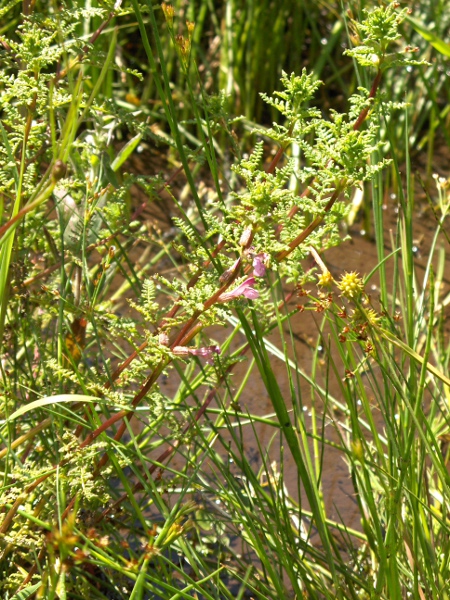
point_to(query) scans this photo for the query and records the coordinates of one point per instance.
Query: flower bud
(246, 237)
(163, 339)
(59, 170)
(228, 275)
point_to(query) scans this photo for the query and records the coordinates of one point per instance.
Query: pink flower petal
(260, 264)
(251, 293)
(206, 352)
(244, 289)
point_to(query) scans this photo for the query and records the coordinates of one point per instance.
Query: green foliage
(137, 487)
(293, 104)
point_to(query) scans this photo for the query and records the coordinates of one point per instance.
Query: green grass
(132, 466)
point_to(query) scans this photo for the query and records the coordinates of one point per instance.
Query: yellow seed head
(325, 279)
(372, 316)
(351, 285)
(169, 13)
(190, 27)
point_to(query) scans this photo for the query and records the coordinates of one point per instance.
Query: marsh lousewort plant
(93, 506)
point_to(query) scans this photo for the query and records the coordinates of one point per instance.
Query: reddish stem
(365, 111)
(308, 230)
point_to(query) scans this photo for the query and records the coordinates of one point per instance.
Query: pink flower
(244, 289)
(260, 264)
(207, 352)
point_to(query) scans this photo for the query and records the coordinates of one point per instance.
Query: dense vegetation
(175, 182)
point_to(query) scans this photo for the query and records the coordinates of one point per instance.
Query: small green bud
(94, 160)
(358, 450)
